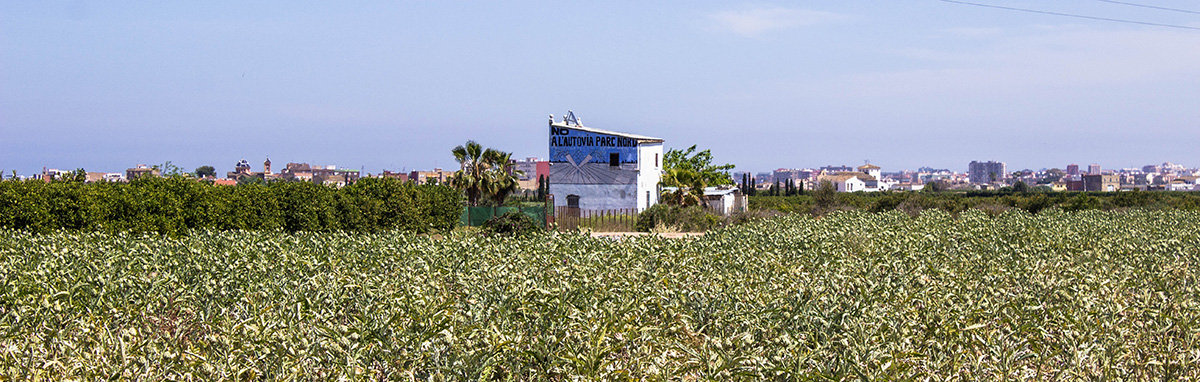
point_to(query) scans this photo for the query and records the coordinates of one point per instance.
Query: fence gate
(617, 220)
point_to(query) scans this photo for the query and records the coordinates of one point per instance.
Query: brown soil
(668, 235)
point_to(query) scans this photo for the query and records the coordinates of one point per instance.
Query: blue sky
(396, 85)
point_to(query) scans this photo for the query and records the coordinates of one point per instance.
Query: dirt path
(669, 235)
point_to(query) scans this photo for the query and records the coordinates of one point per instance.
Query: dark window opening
(573, 201)
(614, 159)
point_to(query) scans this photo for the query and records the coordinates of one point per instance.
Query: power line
(1150, 6)
(1071, 15)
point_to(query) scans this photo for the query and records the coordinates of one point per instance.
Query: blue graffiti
(586, 147)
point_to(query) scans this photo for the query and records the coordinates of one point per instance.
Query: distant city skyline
(1091, 169)
(382, 85)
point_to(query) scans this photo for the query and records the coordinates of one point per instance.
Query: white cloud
(756, 21)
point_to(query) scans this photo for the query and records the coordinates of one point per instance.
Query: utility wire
(1071, 15)
(1150, 6)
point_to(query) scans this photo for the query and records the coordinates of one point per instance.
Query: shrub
(914, 204)
(889, 201)
(825, 196)
(512, 223)
(1035, 203)
(665, 217)
(306, 206)
(439, 208)
(1081, 202)
(992, 209)
(784, 204)
(1129, 199)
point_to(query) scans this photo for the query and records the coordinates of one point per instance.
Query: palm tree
(690, 172)
(484, 174)
(502, 180)
(473, 167)
(689, 187)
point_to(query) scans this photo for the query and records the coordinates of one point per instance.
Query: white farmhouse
(868, 178)
(594, 169)
(847, 182)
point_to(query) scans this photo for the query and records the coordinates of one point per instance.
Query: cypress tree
(543, 188)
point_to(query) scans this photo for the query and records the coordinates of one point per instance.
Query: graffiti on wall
(582, 157)
(597, 148)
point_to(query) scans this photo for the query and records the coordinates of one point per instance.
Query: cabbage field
(852, 295)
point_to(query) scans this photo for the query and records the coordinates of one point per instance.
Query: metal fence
(476, 216)
(566, 218)
(618, 220)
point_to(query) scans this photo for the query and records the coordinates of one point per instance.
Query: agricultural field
(851, 295)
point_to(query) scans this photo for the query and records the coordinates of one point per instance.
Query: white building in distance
(868, 178)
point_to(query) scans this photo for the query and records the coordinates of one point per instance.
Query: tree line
(789, 187)
(175, 205)
(825, 199)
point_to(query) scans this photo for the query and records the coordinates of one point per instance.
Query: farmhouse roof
(842, 177)
(711, 191)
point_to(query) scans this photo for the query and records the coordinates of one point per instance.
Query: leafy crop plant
(852, 295)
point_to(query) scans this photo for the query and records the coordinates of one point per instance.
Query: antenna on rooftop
(570, 119)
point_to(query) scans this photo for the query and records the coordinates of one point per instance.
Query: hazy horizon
(381, 85)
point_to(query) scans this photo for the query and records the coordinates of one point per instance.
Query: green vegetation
(690, 172)
(669, 218)
(177, 205)
(853, 295)
(485, 175)
(513, 223)
(825, 200)
(205, 171)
